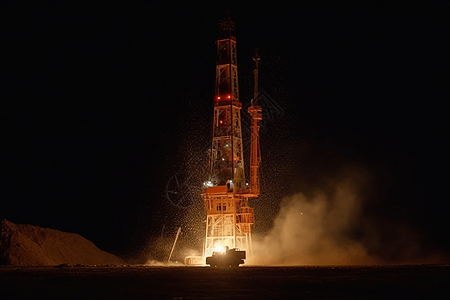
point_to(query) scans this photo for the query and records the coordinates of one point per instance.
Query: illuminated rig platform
(225, 192)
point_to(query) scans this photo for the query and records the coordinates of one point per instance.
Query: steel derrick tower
(225, 192)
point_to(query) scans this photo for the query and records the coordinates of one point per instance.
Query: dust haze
(330, 226)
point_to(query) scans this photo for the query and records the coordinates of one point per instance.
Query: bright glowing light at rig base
(219, 248)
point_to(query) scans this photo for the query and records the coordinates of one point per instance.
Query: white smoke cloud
(315, 230)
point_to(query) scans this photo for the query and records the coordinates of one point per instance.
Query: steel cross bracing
(225, 192)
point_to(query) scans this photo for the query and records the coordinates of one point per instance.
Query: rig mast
(225, 192)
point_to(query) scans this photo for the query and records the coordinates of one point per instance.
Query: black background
(106, 98)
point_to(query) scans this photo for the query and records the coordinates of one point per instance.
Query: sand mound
(27, 245)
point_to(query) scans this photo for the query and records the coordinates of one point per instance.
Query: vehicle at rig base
(230, 258)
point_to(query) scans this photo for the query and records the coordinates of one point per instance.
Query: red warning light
(229, 97)
(218, 97)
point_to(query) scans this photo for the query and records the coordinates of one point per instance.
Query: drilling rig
(225, 193)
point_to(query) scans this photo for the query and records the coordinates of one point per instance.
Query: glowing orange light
(229, 96)
(219, 248)
(218, 98)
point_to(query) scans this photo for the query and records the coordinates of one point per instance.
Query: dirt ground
(29, 245)
(246, 282)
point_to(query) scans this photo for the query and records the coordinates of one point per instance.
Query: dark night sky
(105, 98)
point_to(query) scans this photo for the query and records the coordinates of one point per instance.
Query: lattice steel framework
(225, 192)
